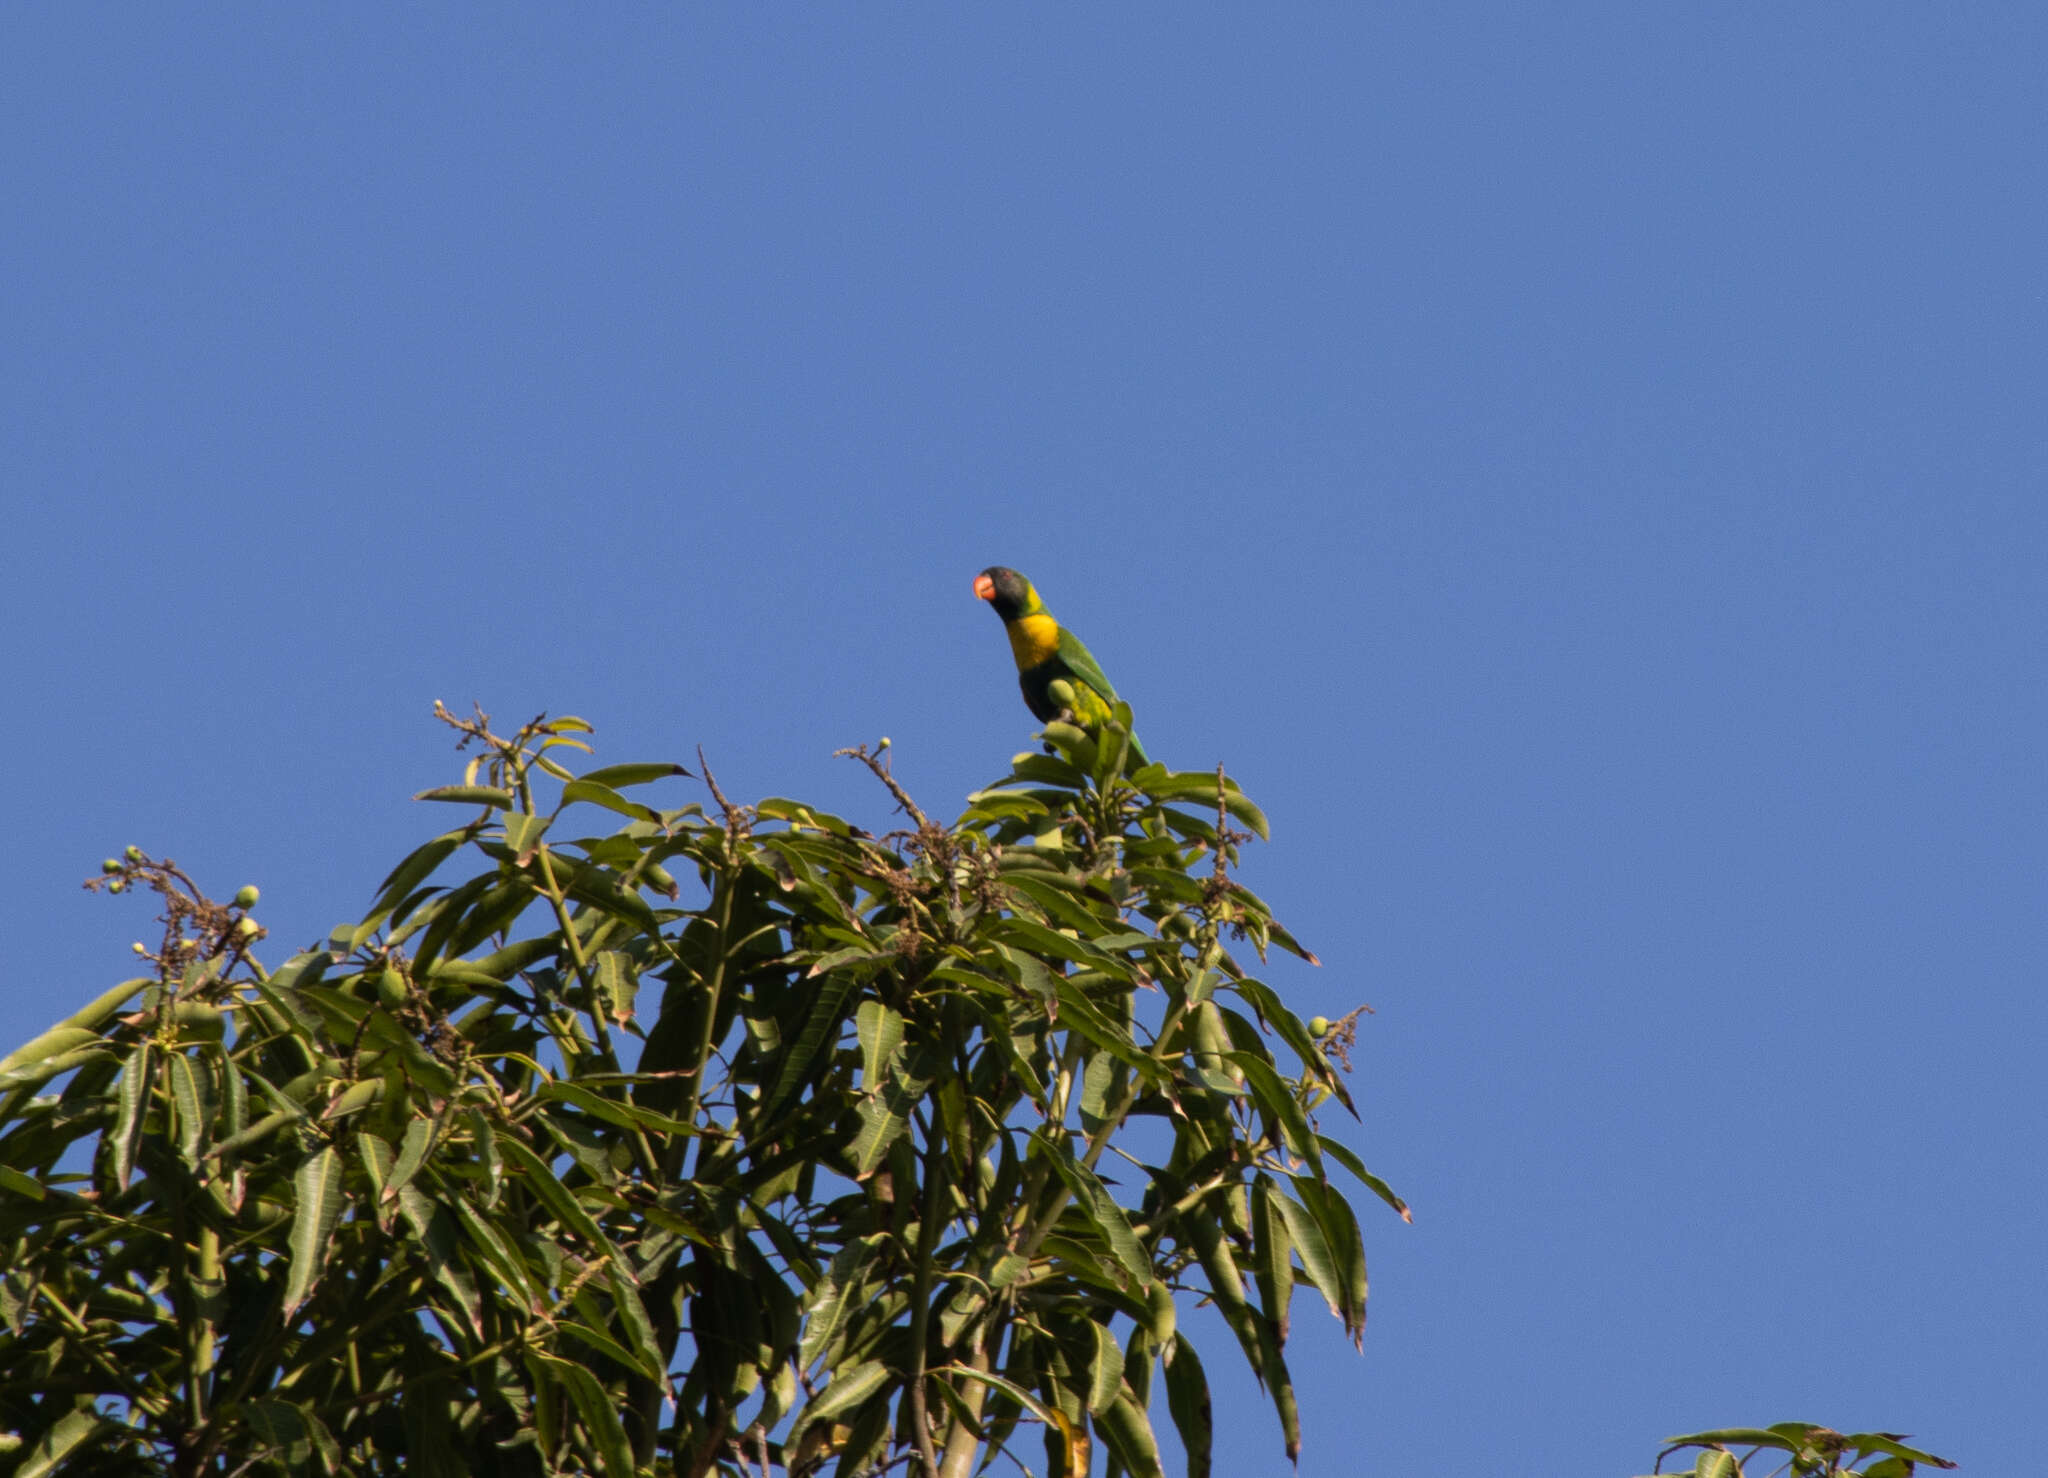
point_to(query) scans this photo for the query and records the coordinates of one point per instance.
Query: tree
(442, 1197)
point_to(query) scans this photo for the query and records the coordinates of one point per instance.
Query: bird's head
(1008, 592)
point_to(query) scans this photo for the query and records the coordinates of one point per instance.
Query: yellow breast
(1033, 639)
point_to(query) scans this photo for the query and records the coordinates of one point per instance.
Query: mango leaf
(597, 793)
(418, 866)
(1105, 1369)
(1371, 1182)
(66, 1439)
(435, 1232)
(612, 1110)
(1128, 1432)
(822, 1025)
(1187, 1399)
(1278, 1101)
(523, 833)
(1099, 1207)
(618, 985)
(847, 1389)
(599, 1413)
(880, 1030)
(133, 1100)
(618, 776)
(1345, 1248)
(1273, 1253)
(885, 1113)
(191, 1102)
(469, 795)
(318, 1184)
(551, 1192)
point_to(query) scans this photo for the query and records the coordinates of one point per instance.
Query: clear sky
(1582, 467)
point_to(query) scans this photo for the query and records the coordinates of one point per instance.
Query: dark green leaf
(1187, 1398)
(469, 795)
(318, 1184)
(597, 793)
(69, 1437)
(597, 1409)
(618, 776)
(1100, 1208)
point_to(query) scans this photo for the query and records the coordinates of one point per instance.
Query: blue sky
(1581, 467)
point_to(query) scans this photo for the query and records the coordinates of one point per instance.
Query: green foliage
(634, 1140)
(1808, 1451)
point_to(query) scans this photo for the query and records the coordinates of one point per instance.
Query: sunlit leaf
(318, 1184)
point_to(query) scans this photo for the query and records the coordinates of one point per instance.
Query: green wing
(1081, 662)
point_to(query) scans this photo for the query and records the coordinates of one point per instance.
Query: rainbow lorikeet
(1057, 673)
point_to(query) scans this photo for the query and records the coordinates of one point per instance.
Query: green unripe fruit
(390, 987)
(112, 864)
(116, 886)
(133, 854)
(247, 928)
(1319, 1026)
(247, 897)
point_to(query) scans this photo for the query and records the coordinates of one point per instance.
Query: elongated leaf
(826, 1307)
(412, 1153)
(881, 1032)
(1306, 1235)
(885, 1114)
(1226, 1286)
(612, 1110)
(1187, 1398)
(492, 1248)
(64, 1441)
(1272, 1249)
(1196, 786)
(599, 1414)
(847, 1390)
(1371, 1182)
(1039, 940)
(633, 1315)
(284, 1428)
(319, 1187)
(1278, 1101)
(552, 1193)
(1128, 1432)
(1100, 1208)
(1892, 1444)
(597, 793)
(134, 1103)
(1274, 1011)
(1105, 1369)
(53, 1043)
(610, 1348)
(180, 1073)
(417, 868)
(469, 795)
(618, 776)
(1280, 1386)
(436, 1234)
(523, 832)
(1346, 1250)
(377, 1164)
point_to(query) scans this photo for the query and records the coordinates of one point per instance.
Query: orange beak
(984, 587)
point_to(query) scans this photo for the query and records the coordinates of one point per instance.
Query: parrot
(1056, 672)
